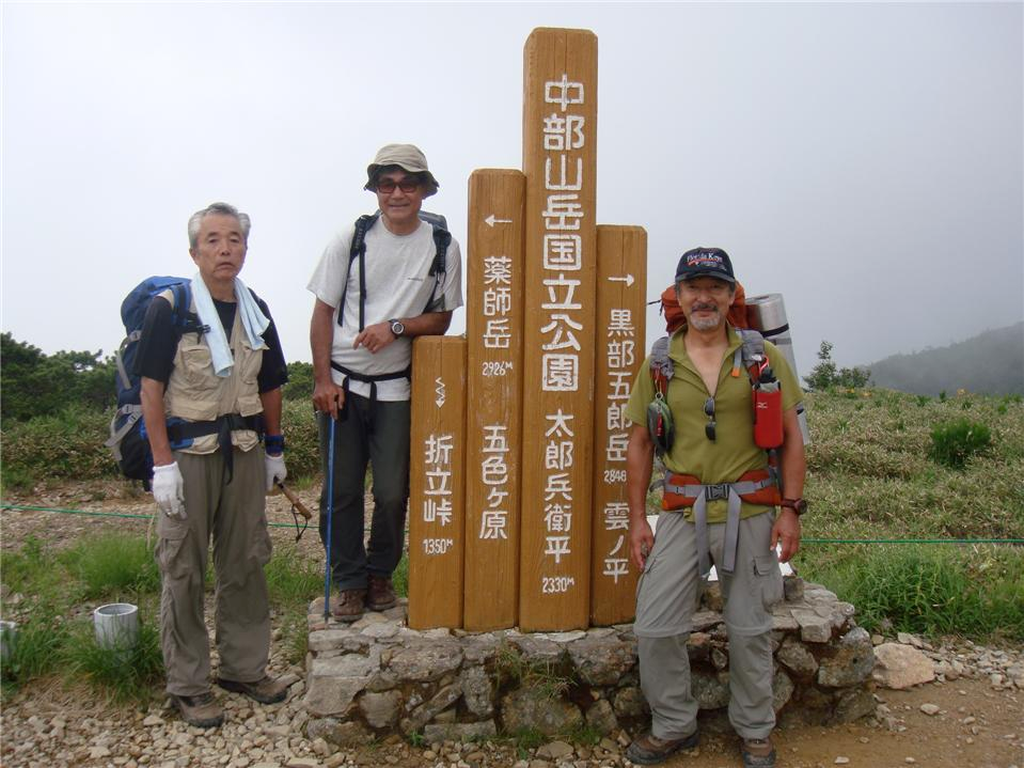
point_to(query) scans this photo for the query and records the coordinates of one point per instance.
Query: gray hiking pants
(667, 596)
(377, 434)
(234, 514)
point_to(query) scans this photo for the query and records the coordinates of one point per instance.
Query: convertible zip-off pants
(234, 514)
(667, 596)
(377, 433)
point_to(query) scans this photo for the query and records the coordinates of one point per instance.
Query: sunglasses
(709, 411)
(408, 184)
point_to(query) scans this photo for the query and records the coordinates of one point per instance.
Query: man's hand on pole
(276, 470)
(328, 397)
(169, 490)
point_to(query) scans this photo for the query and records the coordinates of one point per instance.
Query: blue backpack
(128, 441)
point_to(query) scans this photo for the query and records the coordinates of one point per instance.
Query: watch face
(397, 328)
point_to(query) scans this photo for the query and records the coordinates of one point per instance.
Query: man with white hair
(381, 282)
(210, 390)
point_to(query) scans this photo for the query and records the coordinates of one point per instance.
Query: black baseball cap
(705, 262)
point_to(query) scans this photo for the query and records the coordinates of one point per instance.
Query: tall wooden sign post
(437, 482)
(621, 308)
(494, 331)
(560, 162)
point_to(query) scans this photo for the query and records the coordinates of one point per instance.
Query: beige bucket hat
(406, 156)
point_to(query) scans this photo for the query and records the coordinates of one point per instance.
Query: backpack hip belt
(758, 486)
(183, 432)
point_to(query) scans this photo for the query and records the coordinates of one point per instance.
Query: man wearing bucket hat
(208, 392)
(381, 282)
(721, 492)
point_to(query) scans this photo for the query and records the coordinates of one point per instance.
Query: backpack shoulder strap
(662, 367)
(357, 249)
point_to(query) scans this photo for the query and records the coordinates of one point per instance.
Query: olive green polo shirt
(733, 451)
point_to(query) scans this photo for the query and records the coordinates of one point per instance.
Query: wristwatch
(797, 505)
(397, 327)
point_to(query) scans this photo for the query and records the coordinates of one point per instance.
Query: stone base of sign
(376, 676)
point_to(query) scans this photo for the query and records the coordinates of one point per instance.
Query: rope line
(26, 508)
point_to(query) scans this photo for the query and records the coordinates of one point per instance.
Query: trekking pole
(330, 518)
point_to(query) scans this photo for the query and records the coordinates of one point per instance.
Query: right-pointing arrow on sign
(628, 280)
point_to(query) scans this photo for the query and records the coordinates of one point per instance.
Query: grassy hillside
(990, 363)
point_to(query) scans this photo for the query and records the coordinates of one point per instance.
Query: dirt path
(976, 726)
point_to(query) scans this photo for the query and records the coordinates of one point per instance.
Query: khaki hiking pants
(667, 596)
(234, 515)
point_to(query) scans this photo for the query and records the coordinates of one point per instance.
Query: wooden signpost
(560, 162)
(494, 331)
(437, 482)
(621, 308)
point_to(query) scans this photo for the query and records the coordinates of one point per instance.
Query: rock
(930, 709)
(380, 709)
(426, 662)
(711, 598)
(601, 717)
(335, 681)
(793, 587)
(842, 760)
(477, 691)
(341, 734)
(813, 628)
(153, 720)
(853, 704)
(797, 659)
(630, 703)
(899, 666)
(555, 750)
(710, 691)
(427, 711)
(782, 690)
(530, 708)
(460, 731)
(852, 662)
(602, 661)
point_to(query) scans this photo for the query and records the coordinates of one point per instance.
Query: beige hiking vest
(195, 393)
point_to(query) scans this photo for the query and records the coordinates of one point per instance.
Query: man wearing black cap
(370, 303)
(721, 496)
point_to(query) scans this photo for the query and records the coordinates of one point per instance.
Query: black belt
(222, 427)
(372, 380)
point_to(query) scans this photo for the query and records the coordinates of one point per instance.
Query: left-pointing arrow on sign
(492, 220)
(628, 280)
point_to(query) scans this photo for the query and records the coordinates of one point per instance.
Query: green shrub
(293, 580)
(38, 649)
(124, 673)
(67, 445)
(933, 590)
(112, 564)
(303, 452)
(953, 444)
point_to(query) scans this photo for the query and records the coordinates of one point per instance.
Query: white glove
(169, 490)
(276, 471)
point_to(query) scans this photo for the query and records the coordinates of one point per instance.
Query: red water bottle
(767, 394)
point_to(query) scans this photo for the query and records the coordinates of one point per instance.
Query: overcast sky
(865, 160)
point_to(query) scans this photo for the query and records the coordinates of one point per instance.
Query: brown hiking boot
(381, 595)
(758, 753)
(650, 750)
(350, 605)
(201, 711)
(269, 690)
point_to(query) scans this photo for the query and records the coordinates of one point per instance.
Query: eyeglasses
(408, 184)
(709, 411)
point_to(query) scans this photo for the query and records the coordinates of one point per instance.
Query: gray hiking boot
(201, 711)
(758, 753)
(268, 690)
(650, 750)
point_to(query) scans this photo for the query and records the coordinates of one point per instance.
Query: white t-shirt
(398, 285)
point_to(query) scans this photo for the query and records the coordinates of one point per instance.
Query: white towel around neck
(253, 321)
